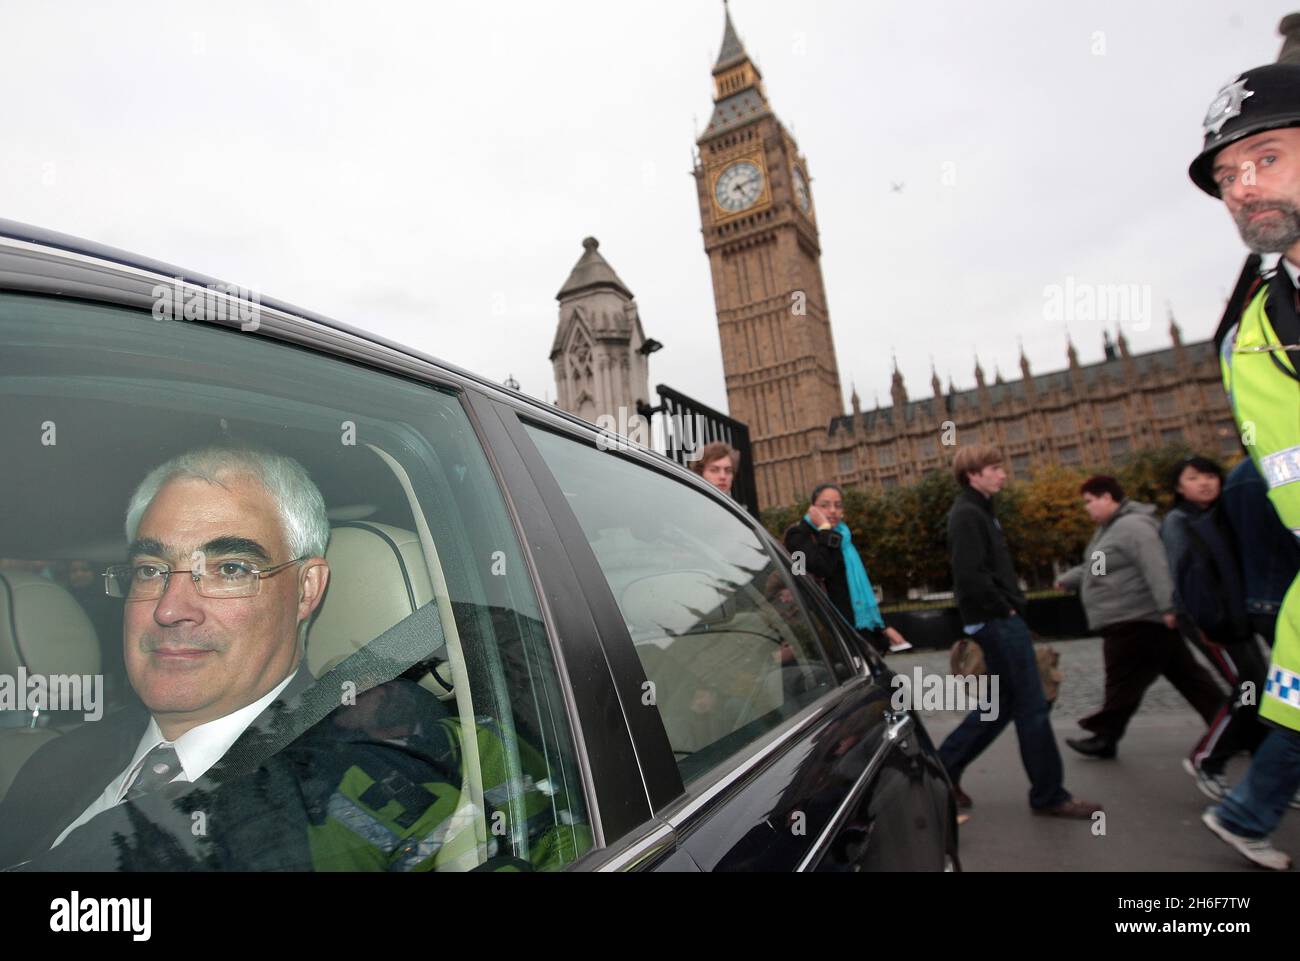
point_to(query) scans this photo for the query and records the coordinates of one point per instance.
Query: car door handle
(898, 727)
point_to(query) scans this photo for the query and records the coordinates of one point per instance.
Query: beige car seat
(43, 629)
(378, 576)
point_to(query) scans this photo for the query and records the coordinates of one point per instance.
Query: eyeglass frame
(196, 576)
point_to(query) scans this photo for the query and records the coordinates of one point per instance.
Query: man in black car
(226, 569)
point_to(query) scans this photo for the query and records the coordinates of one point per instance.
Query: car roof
(88, 248)
(77, 248)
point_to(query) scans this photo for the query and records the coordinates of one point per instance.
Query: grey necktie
(161, 765)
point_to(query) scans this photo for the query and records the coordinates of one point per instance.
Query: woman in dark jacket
(1197, 483)
(824, 542)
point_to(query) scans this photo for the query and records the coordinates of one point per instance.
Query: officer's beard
(1269, 235)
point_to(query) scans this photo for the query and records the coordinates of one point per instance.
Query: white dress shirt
(198, 749)
(1292, 271)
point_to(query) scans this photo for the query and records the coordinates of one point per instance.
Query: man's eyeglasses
(223, 578)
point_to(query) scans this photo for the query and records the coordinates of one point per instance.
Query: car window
(819, 614)
(444, 746)
(728, 652)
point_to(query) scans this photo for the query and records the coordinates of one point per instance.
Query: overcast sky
(427, 171)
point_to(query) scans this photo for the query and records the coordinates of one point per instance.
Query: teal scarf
(866, 612)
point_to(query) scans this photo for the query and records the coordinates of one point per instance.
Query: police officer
(1251, 161)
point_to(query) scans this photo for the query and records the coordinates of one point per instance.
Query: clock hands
(743, 185)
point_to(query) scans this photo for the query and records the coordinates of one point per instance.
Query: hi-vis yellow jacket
(1261, 379)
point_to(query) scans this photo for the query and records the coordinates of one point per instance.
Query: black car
(620, 666)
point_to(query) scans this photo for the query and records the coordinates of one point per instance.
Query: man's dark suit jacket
(258, 821)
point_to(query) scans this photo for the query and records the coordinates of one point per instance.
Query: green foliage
(1044, 521)
(778, 519)
(901, 532)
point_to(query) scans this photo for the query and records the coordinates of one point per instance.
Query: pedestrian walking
(1209, 591)
(1127, 596)
(992, 607)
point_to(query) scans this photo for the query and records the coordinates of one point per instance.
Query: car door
(418, 519)
(759, 734)
(899, 815)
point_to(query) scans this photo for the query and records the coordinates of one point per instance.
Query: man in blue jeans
(990, 601)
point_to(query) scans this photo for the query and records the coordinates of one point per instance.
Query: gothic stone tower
(597, 357)
(760, 234)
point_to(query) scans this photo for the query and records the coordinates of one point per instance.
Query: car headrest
(43, 628)
(674, 603)
(377, 577)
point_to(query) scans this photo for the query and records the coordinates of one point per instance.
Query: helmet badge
(1226, 106)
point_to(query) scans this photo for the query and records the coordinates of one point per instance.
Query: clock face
(739, 186)
(801, 192)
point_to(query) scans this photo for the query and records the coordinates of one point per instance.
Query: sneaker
(895, 648)
(1295, 801)
(1213, 786)
(1257, 850)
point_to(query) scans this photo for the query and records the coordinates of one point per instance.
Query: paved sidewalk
(1153, 808)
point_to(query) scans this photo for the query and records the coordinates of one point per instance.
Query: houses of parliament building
(759, 226)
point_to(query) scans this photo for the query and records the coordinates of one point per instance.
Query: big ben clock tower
(760, 233)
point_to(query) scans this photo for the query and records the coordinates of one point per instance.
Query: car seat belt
(415, 638)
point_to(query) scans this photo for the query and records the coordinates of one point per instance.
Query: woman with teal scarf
(827, 547)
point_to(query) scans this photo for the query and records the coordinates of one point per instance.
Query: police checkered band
(362, 823)
(1283, 685)
(1281, 467)
(415, 851)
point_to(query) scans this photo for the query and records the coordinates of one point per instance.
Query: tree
(1044, 521)
(778, 519)
(936, 492)
(1147, 475)
(887, 541)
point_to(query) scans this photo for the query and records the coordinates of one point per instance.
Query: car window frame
(691, 802)
(75, 276)
(809, 596)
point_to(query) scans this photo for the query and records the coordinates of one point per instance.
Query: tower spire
(897, 391)
(735, 74)
(732, 50)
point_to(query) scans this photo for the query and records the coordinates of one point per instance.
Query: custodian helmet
(1263, 98)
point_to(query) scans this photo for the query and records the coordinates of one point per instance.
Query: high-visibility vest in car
(382, 821)
(1264, 391)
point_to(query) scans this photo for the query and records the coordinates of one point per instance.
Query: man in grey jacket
(1128, 597)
